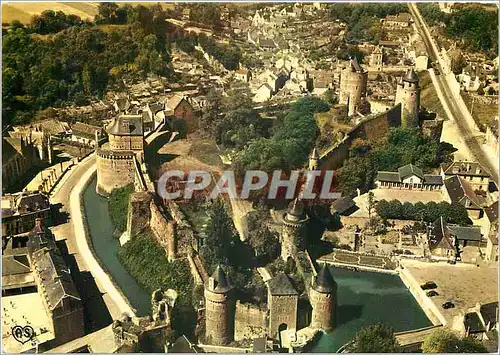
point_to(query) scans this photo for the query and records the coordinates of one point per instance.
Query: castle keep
(353, 83)
(117, 159)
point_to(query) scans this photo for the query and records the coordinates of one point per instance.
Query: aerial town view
(238, 177)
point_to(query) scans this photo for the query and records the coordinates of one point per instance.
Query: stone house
(178, 108)
(472, 172)
(408, 177)
(460, 191)
(449, 240)
(86, 134)
(401, 20)
(243, 74)
(18, 156)
(20, 210)
(264, 93)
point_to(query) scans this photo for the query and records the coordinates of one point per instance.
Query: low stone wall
(249, 321)
(429, 308)
(84, 244)
(223, 349)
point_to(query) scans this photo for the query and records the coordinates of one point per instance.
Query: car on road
(429, 285)
(448, 305)
(432, 293)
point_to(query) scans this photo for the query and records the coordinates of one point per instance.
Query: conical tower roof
(324, 282)
(314, 154)
(411, 76)
(221, 282)
(296, 208)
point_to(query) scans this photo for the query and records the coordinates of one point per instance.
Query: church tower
(293, 234)
(219, 309)
(323, 298)
(408, 95)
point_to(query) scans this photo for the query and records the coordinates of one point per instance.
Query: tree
(444, 340)
(377, 338)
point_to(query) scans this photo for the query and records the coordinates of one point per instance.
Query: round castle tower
(353, 83)
(219, 309)
(408, 95)
(294, 221)
(323, 297)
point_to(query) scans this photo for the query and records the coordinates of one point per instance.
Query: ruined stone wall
(249, 321)
(374, 127)
(164, 231)
(139, 212)
(432, 129)
(114, 170)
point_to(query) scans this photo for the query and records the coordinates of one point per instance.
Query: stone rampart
(372, 128)
(164, 230)
(250, 321)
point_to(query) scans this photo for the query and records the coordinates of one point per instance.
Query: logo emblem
(23, 334)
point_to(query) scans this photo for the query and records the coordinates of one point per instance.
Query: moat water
(106, 246)
(366, 298)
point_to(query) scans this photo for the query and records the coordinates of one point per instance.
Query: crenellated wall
(114, 169)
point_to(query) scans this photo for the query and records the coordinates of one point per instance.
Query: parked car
(432, 293)
(448, 305)
(429, 285)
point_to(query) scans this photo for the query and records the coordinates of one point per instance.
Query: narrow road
(72, 231)
(464, 127)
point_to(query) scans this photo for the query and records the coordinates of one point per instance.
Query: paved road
(72, 232)
(468, 135)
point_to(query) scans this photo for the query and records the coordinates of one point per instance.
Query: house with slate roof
(409, 177)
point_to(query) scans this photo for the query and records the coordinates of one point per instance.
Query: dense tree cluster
(402, 146)
(207, 14)
(476, 25)
(428, 212)
(444, 340)
(292, 143)
(231, 120)
(51, 21)
(378, 338)
(363, 20)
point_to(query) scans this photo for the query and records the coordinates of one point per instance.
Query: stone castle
(227, 319)
(117, 159)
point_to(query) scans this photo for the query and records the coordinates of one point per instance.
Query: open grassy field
(24, 11)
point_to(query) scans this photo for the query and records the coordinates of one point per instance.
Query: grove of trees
(400, 147)
(291, 143)
(378, 338)
(444, 340)
(428, 212)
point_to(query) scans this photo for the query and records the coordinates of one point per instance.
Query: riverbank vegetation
(118, 207)
(147, 263)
